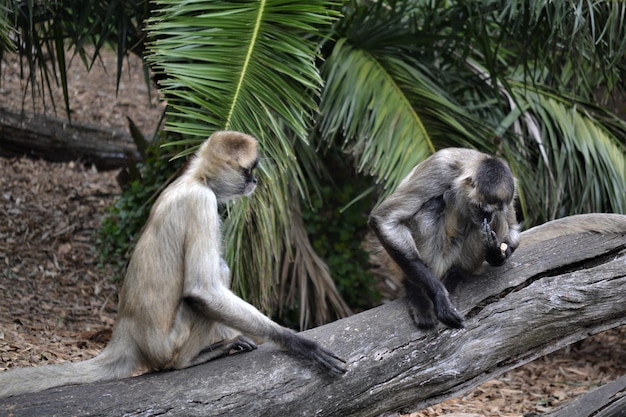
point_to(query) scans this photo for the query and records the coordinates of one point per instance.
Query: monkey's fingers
(491, 239)
(329, 362)
(312, 351)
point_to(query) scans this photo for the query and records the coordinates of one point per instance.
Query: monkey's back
(152, 286)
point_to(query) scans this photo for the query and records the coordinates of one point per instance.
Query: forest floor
(57, 300)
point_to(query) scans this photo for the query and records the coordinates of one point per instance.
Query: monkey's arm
(389, 221)
(220, 304)
(206, 292)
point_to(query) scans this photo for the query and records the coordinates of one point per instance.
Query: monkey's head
(491, 189)
(226, 163)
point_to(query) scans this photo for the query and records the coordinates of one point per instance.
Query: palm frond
(580, 43)
(390, 111)
(6, 30)
(379, 124)
(45, 29)
(583, 167)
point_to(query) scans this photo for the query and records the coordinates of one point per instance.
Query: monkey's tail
(110, 364)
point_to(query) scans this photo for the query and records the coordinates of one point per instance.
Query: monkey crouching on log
(176, 308)
(450, 214)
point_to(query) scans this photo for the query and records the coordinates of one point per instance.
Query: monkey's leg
(194, 339)
(452, 279)
(420, 307)
(220, 349)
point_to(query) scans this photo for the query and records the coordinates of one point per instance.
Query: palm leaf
(584, 168)
(6, 29)
(45, 28)
(379, 124)
(390, 111)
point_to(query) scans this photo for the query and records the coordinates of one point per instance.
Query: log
(56, 140)
(564, 283)
(606, 401)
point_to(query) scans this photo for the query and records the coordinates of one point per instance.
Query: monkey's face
(226, 163)
(249, 179)
(235, 180)
(485, 213)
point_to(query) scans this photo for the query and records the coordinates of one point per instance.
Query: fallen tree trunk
(57, 140)
(564, 283)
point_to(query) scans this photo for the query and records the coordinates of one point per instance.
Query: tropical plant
(387, 83)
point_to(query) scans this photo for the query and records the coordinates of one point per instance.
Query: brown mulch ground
(58, 304)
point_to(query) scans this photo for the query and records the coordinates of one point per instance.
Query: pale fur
(175, 306)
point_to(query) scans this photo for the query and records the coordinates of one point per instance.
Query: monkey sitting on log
(451, 213)
(176, 308)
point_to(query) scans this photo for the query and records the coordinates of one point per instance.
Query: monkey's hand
(326, 360)
(496, 253)
(489, 236)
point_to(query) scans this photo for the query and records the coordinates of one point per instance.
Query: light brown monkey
(450, 214)
(176, 308)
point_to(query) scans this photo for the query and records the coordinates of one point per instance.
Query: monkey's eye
(488, 215)
(248, 172)
(476, 207)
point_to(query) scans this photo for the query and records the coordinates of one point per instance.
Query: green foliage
(402, 111)
(582, 168)
(336, 222)
(6, 29)
(520, 79)
(44, 28)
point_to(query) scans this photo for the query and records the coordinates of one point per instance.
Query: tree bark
(57, 140)
(564, 283)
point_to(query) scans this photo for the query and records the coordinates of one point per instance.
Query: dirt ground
(57, 302)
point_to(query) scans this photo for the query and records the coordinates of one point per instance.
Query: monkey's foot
(242, 344)
(226, 347)
(451, 319)
(424, 318)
